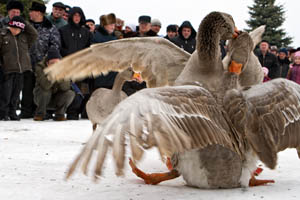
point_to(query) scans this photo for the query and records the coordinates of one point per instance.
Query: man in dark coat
(268, 59)
(186, 38)
(15, 42)
(75, 37)
(48, 37)
(14, 8)
(105, 33)
(283, 62)
(47, 94)
(144, 28)
(171, 32)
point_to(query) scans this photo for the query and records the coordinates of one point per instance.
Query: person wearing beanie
(66, 13)
(75, 37)
(171, 31)
(90, 24)
(48, 37)
(14, 8)
(49, 95)
(155, 25)
(16, 40)
(283, 62)
(294, 71)
(56, 17)
(130, 30)
(186, 38)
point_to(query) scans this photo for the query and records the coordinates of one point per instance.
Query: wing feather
(151, 54)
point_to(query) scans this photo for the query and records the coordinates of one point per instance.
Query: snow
(34, 157)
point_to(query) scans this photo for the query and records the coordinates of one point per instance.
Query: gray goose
(103, 101)
(214, 136)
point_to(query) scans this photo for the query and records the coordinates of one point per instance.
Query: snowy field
(34, 157)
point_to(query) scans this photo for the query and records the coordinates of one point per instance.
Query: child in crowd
(266, 72)
(294, 71)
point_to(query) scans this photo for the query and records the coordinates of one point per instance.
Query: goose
(103, 101)
(159, 61)
(214, 133)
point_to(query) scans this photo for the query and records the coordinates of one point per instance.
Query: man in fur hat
(14, 8)
(48, 37)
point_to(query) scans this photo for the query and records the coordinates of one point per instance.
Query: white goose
(213, 132)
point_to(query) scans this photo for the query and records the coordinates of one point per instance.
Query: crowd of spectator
(28, 47)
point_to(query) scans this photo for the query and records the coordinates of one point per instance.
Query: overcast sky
(176, 11)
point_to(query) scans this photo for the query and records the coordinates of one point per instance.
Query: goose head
(130, 74)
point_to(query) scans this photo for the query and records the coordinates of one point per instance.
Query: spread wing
(173, 119)
(152, 55)
(269, 115)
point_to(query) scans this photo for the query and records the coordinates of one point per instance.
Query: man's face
(171, 34)
(34, 15)
(13, 12)
(15, 31)
(76, 18)
(186, 32)
(57, 12)
(110, 28)
(91, 25)
(264, 46)
(282, 55)
(52, 61)
(155, 28)
(66, 16)
(144, 27)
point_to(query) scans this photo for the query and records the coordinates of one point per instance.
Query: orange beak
(236, 33)
(137, 77)
(235, 67)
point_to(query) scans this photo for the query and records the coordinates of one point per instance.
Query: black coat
(188, 44)
(284, 66)
(269, 61)
(74, 37)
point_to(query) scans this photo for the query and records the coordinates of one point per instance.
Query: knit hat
(38, 6)
(17, 22)
(15, 5)
(107, 19)
(90, 20)
(59, 5)
(144, 19)
(283, 50)
(172, 28)
(155, 22)
(53, 54)
(297, 54)
(265, 70)
(132, 27)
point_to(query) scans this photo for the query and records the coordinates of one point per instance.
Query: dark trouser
(10, 89)
(75, 106)
(27, 103)
(45, 99)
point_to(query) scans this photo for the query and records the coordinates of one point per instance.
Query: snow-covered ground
(34, 157)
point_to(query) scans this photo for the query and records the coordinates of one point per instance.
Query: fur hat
(107, 19)
(15, 5)
(38, 6)
(17, 22)
(144, 19)
(59, 5)
(172, 28)
(90, 20)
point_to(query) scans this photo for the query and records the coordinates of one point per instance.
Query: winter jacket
(60, 22)
(188, 44)
(104, 81)
(294, 73)
(269, 61)
(43, 82)
(48, 37)
(74, 37)
(4, 22)
(14, 50)
(284, 66)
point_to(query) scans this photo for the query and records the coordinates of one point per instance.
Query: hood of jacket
(71, 14)
(187, 24)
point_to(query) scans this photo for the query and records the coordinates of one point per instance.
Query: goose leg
(153, 178)
(256, 182)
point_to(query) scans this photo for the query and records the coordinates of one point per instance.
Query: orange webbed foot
(153, 178)
(256, 182)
